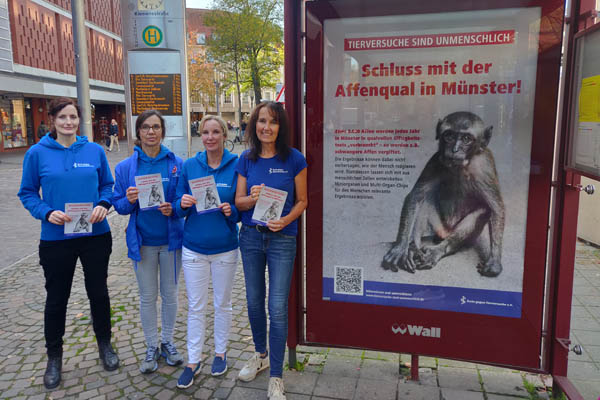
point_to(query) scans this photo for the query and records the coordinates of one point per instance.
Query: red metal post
(293, 103)
(414, 367)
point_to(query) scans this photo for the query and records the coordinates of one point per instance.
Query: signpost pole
(83, 74)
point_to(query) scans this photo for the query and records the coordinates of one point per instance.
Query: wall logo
(152, 36)
(417, 330)
(463, 300)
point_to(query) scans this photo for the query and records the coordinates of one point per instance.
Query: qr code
(348, 280)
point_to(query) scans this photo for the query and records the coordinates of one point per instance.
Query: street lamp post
(218, 97)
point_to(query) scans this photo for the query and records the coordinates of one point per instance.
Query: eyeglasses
(155, 128)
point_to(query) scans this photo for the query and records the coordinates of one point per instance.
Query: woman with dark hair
(269, 162)
(154, 235)
(210, 245)
(69, 169)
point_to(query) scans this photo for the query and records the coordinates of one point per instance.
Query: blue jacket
(125, 173)
(211, 233)
(76, 174)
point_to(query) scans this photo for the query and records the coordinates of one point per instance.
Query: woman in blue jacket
(154, 235)
(210, 245)
(69, 170)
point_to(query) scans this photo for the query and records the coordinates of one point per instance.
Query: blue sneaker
(187, 377)
(219, 366)
(169, 352)
(150, 363)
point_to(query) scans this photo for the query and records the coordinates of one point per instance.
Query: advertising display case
(430, 138)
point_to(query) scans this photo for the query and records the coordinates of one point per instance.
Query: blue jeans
(158, 261)
(278, 252)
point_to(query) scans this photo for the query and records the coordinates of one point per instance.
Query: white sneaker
(253, 366)
(276, 391)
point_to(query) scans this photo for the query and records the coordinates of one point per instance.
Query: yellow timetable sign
(161, 92)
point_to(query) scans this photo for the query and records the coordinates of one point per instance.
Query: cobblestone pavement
(326, 373)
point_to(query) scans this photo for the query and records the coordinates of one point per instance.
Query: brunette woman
(269, 162)
(154, 235)
(69, 169)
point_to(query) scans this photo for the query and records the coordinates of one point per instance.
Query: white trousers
(198, 269)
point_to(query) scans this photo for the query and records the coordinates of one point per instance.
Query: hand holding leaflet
(269, 205)
(80, 214)
(150, 191)
(205, 191)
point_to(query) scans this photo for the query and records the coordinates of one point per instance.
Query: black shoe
(52, 374)
(110, 359)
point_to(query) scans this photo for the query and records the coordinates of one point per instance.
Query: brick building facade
(37, 63)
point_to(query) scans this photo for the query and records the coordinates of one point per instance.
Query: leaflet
(151, 191)
(80, 214)
(269, 205)
(205, 191)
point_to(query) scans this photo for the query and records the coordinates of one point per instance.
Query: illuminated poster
(427, 141)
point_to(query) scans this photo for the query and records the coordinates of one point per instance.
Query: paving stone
(509, 383)
(335, 386)
(584, 371)
(415, 391)
(454, 378)
(380, 370)
(503, 397)
(342, 366)
(456, 394)
(241, 393)
(299, 382)
(375, 389)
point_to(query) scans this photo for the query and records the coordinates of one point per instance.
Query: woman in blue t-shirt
(154, 233)
(272, 163)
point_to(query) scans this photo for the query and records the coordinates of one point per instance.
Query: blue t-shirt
(276, 174)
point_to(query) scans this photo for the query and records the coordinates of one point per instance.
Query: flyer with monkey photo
(269, 205)
(80, 214)
(426, 158)
(151, 191)
(205, 191)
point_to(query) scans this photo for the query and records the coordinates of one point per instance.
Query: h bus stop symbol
(152, 36)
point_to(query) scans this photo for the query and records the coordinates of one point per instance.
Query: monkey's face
(457, 146)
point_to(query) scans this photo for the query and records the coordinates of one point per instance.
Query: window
(200, 38)
(227, 98)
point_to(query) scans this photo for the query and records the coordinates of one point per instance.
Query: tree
(201, 76)
(245, 41)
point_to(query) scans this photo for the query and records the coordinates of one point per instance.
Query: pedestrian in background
(42, 130)
(154, 236)
(114, 135)
(269, 162)
(210, 247)
(69, 169)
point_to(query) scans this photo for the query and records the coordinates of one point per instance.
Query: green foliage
(247, 42)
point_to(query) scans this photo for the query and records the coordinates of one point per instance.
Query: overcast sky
(198, 3)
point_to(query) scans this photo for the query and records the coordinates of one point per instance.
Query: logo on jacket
(82, 165)
(174, 170)
(417, 330)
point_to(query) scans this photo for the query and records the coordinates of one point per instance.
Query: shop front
(16, 123)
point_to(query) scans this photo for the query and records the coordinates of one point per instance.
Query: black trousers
(58, 259)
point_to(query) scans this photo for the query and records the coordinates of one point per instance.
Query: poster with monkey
(426, 158)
